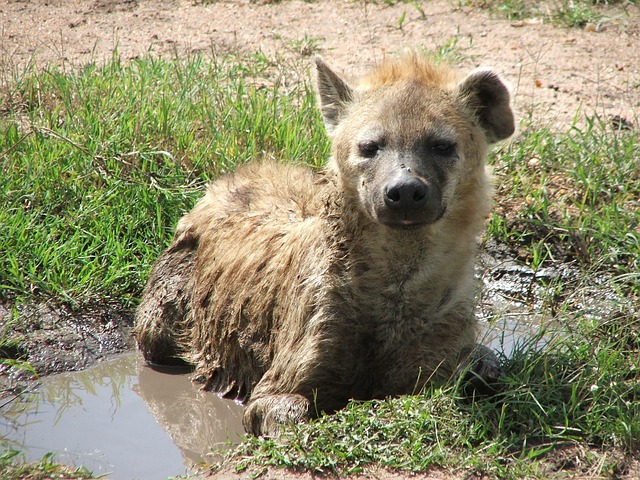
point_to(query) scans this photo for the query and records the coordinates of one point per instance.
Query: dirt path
(553, 71)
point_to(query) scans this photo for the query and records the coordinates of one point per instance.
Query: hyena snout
(405, 194)
(408, 202)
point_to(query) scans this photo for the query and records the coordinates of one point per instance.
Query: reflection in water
(514, 305)
(120, 418)
(197, 421)
(511, 333)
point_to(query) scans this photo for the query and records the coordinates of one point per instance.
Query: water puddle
(515, 304)
(509, 325)
(123, 419)
(128, 421)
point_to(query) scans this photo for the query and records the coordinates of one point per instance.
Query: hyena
(296, 291)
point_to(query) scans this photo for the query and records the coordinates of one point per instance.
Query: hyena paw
(481, 372)
(266, 415)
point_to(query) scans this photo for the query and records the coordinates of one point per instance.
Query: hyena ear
(488, 98)
(334, 94)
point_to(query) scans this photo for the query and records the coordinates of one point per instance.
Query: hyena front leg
(266, 415)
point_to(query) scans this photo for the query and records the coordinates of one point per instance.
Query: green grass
(12, 467)
(572, 197)
(98, 165)
(572, 14)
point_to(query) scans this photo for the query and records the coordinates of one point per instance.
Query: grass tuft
(14, 468)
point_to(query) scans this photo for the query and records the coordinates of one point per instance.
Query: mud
(54, 338)
(511, 290)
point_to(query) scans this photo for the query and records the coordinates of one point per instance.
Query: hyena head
(412, 135)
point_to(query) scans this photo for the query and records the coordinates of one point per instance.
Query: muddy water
(123, 419)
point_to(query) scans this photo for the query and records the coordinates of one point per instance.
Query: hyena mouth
(407, 225)
(412, 223)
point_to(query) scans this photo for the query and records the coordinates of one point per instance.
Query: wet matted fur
(296, 290)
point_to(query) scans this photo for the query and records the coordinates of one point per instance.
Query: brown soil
(55, 338)
(553, 71)
(369, 474)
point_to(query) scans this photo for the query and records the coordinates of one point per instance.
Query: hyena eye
(443, 148)
(368, 148)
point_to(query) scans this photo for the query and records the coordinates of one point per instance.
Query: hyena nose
(405, 193)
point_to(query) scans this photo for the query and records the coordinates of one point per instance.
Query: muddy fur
(296, 291)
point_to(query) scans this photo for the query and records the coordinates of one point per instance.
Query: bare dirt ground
(553, 71)
(372, 474)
